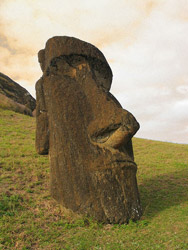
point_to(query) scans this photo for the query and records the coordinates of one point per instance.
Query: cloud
(152, 76)
(26, 26)
(144, 41)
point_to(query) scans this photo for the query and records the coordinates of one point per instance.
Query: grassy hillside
(7, 103)
(30, 219)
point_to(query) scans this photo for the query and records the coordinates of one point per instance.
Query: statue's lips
(126, 163)
(115, 164)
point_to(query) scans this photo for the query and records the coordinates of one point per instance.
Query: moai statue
(86, 133)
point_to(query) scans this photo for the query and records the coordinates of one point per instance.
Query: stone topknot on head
(65, 46)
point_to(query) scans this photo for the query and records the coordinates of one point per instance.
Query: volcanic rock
(86, 133)
(15, 97)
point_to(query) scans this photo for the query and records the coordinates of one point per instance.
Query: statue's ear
(41, 59)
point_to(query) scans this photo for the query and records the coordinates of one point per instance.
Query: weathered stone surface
(15, 97)
(86, 133)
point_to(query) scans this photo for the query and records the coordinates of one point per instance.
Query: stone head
(67, 54)
(86, 133)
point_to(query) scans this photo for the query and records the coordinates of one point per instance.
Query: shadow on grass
(163, 191)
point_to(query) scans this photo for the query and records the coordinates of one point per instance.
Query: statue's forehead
(67, 46)
(63, 45)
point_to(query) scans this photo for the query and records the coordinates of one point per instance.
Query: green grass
(30, 219)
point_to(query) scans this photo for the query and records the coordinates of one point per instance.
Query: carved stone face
(89, 134)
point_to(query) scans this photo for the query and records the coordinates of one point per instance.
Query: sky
(144, 41)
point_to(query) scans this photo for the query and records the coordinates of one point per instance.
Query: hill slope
(30, 219)
(15, 97)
